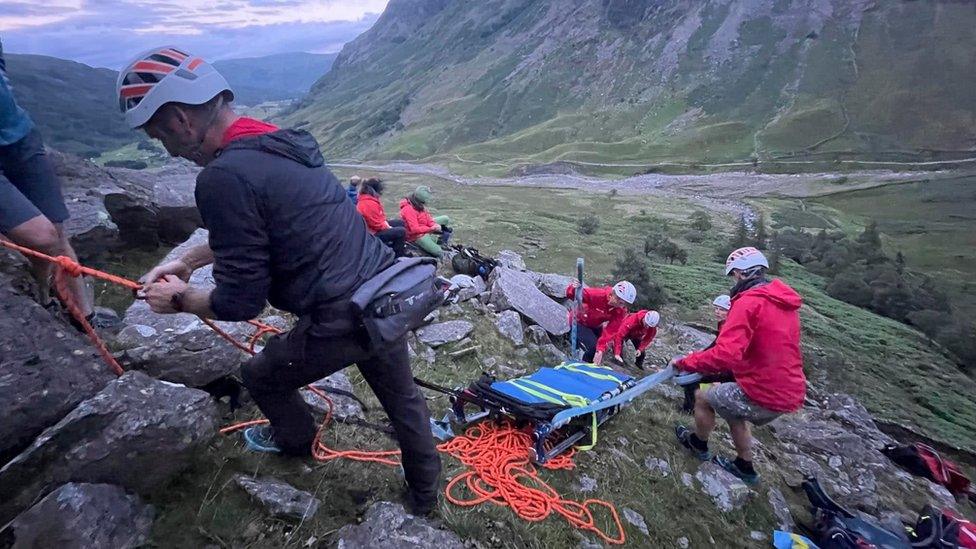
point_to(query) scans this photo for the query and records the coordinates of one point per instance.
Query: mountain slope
(617, 80)
(73, 104)
(274, 77)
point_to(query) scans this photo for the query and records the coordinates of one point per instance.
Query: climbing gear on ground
(723, 302)
(684, 435)
(625, 291)
(789, 540)
(838, 528)
(397, 300)
(260, 438)
(469, 261)
(924, 461)
(942, 530)
(744, 259)
(166, 75)
(652, 319)
(731, 466)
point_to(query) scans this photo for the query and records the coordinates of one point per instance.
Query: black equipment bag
(396, 300)
(469, 261)
(838, 528)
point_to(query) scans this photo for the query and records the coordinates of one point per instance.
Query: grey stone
(552, 354)
(692, 337)
(781, 510)
(489, 362)
(687, 480)
(279, 499)
(537, 335)
(757, 536)
(436, 335)
(470, 286)
(81, 516)
(658, 466)
(636, 520)
(434, 316)
(514, 290)
(389, 526)
(509, 371)
(509, 324)
(684, 543)
(554, 285)
(183, 349)
(587, 484)
(344, 407)
(137, 432)
(726, 490)
(510, 260)
(46, 368)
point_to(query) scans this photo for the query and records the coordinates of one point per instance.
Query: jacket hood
(776, 291)
(297, 145)
(368, 198)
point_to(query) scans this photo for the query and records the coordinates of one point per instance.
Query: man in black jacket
(281, 231)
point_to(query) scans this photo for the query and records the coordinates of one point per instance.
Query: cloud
(107, 33)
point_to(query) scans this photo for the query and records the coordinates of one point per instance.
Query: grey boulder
(443, 333)
(727, 491)
(388, 525)
(509, 324)
(137, 432)
(82, 516)
(510, 260)
(515, 290)
(343, 407)
(279, 499)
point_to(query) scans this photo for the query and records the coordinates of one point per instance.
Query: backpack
(922, 460)
(469, 261)
(942, 530)
(398, 299)
(838, 528)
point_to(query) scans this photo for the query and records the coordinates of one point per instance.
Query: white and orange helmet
(166, 75)
(745, 259)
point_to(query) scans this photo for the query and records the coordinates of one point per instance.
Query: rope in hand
(497, 454)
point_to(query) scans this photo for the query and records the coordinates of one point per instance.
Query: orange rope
(500, 472)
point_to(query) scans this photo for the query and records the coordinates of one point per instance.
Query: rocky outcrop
(728, 492)
(388, 525)
(279, 499)
(515, 290)
(46, 368)
(180, 348)
(510, 260)
(343, 407)
(137, 432)
(509, 324)
(443, 333)
(83, 516)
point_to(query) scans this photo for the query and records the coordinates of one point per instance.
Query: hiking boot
(730, 466)
(684, 437)
(420, 506)
(260, 438)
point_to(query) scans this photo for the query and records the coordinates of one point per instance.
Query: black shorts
(28, 185)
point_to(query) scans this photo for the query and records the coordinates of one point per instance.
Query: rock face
(80, 516)
(46, 368)
(137, 432)
(389, 526)
(279, 498)
(436, 335)
(554, 285)
(509, 324)
(180, 348)
(514, 290)
(510, 260)
(728, 492)
(469, 286)
(344, 407)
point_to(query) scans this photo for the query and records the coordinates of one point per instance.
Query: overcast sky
(107, 33)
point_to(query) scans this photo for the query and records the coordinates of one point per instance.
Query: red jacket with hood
(372, 211)
(630, 327)
(417, 222)
(760, 345)
(596, 307)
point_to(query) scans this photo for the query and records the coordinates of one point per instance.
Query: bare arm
(198, 256)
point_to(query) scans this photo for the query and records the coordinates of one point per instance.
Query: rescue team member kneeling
(602, 308)
(639, 328)
(760, 345)
(282, 230)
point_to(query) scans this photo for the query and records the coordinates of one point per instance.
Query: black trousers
(299, 357)
(395, 237)
(586, 341)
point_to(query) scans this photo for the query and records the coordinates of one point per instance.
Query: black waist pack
(397, 299)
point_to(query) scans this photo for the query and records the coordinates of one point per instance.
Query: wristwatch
(177, 301)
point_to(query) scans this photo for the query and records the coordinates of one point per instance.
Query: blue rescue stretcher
(572, 399)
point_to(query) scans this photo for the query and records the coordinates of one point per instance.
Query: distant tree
(700, 221)
(762, 237)
(849, 287)
(695, 237)
(741, 236)
(632, 266)
(672, 252)
(612, 194)
(870, 241)
(928, 321)
(773, 255)
(653, 243)
(588, 224)
(960, 338)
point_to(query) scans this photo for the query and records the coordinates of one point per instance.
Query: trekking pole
(576, 353)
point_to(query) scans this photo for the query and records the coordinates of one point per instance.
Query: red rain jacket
(596, 307)
(372, 211)
(417, 222)
(245, 127)
(760, 345)
(630, 327)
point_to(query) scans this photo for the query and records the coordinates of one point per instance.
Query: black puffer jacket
(283, 230)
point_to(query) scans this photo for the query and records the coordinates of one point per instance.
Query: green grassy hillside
(691, 81)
